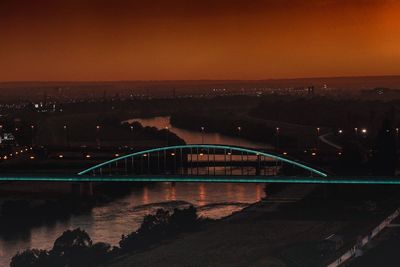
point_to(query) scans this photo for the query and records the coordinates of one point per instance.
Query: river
(107, 223)
(193, 137)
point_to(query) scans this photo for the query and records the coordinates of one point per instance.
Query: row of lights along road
(239, 128)
(16, 153)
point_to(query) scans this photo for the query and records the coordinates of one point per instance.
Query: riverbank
(277, 233)
(383, 249)
(106, 223)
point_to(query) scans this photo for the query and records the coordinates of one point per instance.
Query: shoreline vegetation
(75, 248)
(317, 215)
(285, 234)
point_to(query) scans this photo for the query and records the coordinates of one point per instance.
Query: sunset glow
(134, 40)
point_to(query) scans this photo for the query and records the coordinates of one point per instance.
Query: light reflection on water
(107, 223)
(196, 137)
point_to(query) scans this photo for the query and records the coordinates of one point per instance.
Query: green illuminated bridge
(204, 163)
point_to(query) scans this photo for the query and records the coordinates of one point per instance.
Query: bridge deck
(212, 179)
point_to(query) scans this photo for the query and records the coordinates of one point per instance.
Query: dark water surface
(107, 223)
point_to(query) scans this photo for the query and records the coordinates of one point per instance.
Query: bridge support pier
(83, 189)
(258, 166)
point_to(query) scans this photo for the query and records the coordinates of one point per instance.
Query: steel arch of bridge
(207, 146)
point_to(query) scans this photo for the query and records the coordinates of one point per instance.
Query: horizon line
(205, 80)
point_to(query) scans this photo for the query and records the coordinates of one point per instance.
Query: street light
(98, 136)
(364, 131)
(277, 138)
(202, 135)
(318, 131)
(33, 134)
(167, 134)
(239, 128)
(66, 134)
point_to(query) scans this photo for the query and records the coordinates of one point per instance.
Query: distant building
(310, 90)
(381, 93)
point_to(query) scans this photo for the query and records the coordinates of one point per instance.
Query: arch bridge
(201, 163)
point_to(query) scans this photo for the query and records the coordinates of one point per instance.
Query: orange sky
(197, 39)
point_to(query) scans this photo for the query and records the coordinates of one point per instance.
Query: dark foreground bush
(161, 225)
(75, 248)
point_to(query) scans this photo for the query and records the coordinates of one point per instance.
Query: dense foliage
(75, 248)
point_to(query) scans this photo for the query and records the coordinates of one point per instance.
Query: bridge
(201, 161)
(204, 163)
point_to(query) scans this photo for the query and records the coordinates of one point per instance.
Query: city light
(364, 131)
(340, 131)
(61, 156)
(88, 156)
(32, 157)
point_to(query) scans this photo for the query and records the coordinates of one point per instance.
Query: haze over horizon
(198, 40)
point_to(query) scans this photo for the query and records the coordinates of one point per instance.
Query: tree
(184, 219)
(71, 239)
(72, 248)
(30, 258)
